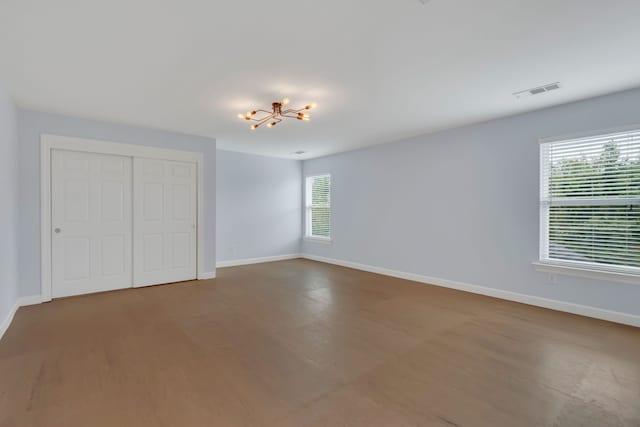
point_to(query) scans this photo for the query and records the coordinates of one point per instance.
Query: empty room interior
(320, 213)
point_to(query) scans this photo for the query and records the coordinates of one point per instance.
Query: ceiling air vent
(299, 153)
(537, 90)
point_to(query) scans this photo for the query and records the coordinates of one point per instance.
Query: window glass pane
(320, 189)
(595, 169)
(599, 234)
(321, 222)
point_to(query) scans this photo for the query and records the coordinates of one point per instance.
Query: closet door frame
(53, 142)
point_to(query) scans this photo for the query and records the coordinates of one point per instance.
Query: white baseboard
(583, 310)
(233, 263)
(32, 300)
(207, 275)
(7, 320)
(21, 302)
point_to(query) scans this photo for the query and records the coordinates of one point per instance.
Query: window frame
(554, 266)
(308, 236)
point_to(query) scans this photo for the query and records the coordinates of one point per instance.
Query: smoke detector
(537, 90)
(299, 153)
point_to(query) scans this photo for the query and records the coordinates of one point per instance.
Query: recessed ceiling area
(379, 70)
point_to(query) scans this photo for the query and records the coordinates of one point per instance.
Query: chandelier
(272, 118)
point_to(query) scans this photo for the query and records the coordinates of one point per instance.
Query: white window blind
(590, 202)
(318, 206)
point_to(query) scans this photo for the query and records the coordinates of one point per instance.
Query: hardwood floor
(300, 343)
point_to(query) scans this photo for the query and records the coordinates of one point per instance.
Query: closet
(120, 221)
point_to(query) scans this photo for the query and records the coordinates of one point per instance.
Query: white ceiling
(380, 70)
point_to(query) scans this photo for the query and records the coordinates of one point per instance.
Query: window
(590, 203)
(318, 207)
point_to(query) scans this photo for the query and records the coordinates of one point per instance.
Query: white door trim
(50, 142)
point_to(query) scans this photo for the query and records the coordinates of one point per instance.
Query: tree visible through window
(590, 201)
(318, 206)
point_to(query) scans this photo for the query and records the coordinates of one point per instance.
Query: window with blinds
(318, 207)
(590, 202)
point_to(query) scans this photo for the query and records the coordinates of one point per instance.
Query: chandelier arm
(291, 117)
(268, 116)
(260, 122)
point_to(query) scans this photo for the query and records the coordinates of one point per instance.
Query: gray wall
(8, 205)
(259, 206)
(462, 204)
(32, 124)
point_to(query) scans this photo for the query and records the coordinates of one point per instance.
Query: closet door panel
(91, 217)
(164, 221)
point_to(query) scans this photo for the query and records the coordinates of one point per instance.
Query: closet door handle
(56, 230)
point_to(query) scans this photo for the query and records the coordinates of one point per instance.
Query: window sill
(589, 273)
(323, 240)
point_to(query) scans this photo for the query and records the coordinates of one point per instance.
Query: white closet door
(164, 248)
(91, 213)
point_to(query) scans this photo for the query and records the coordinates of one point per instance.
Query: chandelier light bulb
(285, 102)
(241, 116)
